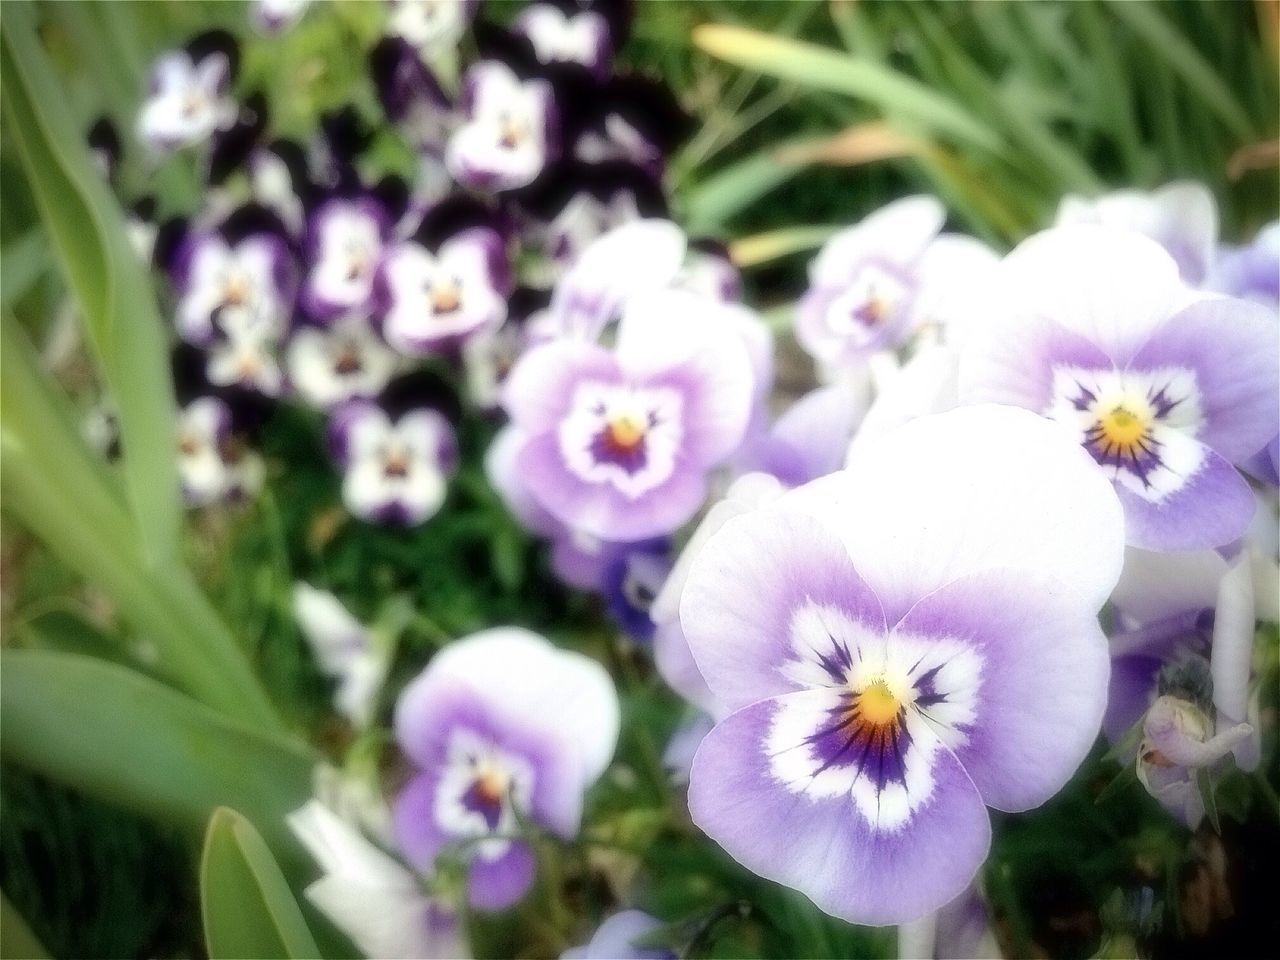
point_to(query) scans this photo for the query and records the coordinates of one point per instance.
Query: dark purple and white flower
(629, 582)
(567, 36)
(901, 647)
(345, 237)
(503, 729)
(411, 95)
(246, 355)
(189, 96)
(619, 443)
(432, 27)
(619, 937)
(344, 649)
(1165, 388)
(371, 897)
(438, 299)
(277, 16)
(214, 465)
(1182, 217)
(394, 472)
(510, 133)
(346, 361)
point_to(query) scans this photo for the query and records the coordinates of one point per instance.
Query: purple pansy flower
(411, 95)
(617, 937)
(277, 16)
(630, 582)
(903, 644)
(214, 466)
(189, 96)
(1182, 217)
(432, 27)
(437, 300)
(510, 133)
(620, 442)
(1165, 389)
(345, 237)
(503, 728)
(394, 472)
(1251, 272)
(370, 897)
(330, 365)
(558, 36)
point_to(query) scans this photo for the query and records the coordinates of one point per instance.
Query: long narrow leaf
(87, 231)
(826, 69)
(118, 736)
(245, 900)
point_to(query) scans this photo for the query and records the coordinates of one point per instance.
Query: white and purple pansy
(435, 300)
(575, 35)
(1252, 271)
(346, 361)
(629, 583)
(623, 936)
(247, 356)
(503, 729)
(394, 472)
(345, 237)
(511, 130)
(865, 283)
(1165, 388)
(411, 95)
(238, 278)
(344, 649)
(1182, 217)
(189, 94)
(901, 646)
(635, 119)
(214, 465)
(619, 443)
(371, 897)
(432, 27)
(277, 16)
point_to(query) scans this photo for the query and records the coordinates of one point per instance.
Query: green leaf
(245, 901)
(1204, 784)
(712, 203)
(86, 229)
(17, 942)
(22, 263)
(825, 69)
(116, 735)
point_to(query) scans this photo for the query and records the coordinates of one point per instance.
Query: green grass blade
(17, 942)
(245, 901)
(122, 322)
(826, 69)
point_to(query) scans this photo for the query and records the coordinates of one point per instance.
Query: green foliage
(244, 898)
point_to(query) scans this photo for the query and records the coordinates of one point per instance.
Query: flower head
(1165, 389)
(503, 728)
(902, 646)
(331, 365)
(189, 97)
(510, 133)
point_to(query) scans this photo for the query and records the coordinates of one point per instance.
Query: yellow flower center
(876, 704)
(625, 433)
(1122, 429)
(444, 298)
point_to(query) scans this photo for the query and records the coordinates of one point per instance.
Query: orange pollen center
(444, 298)
(491, 786)
(625, 433)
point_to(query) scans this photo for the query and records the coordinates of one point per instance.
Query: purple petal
(501, 883)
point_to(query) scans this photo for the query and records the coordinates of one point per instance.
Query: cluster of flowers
(888, 614)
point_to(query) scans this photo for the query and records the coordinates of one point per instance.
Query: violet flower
(503, 729)
(616, 937)
(619, 442)
(370, 897)
(393, 472)
(345, 237)
(189, 95)
(510, 133)
(331, 365)
(1093, 329)
(903, 647)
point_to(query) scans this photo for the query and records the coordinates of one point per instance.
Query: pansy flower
(432, 27)
(629, 583)
(1166, 390)
(633, 119)
(346, 361)
(619, 442)
(345, 237)
(189, 95)
(246, 355)
(411, 95)
(1182, 217)
(437, 299)
(503, 729)
(865, 283)
(511, 131)
(1250, 272)
(277, 16)
(621, 937)
(900, 648)
(344, 649)
(370, 897)
(575, 35)
(214, 465)
(394, 472)
(240, 277)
